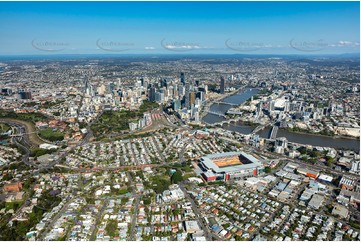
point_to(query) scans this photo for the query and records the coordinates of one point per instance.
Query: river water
(237, 99)
(315, 140)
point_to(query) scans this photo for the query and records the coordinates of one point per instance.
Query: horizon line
(183, 54)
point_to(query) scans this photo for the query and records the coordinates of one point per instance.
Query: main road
(135, 209)
(86, 139)
(98, 220)
(198, 214)
(56, 218)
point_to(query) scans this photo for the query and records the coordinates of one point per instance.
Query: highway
(21, 141)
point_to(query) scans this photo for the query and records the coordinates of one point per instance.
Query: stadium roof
(207, 161)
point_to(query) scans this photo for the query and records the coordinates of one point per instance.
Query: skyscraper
(25, 95)
(192, 98)
(222, 85)
(186, 98)
(180, 89)
(6, 91)
(200, 95)
(176, 104)
(272, 105)
(151, 93)
(182, 78)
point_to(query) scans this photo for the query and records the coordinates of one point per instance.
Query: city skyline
(126, 28)
(180, 121)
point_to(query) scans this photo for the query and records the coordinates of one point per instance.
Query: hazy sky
(179, 27)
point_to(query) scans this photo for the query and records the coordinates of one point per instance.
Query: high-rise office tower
(176, 104)
(287, 106)
(272, 105)
(111, 87)
(182, 78)
(222, 85)
(200, 95)
(151, 93)
(259, 107)
(86, 84)
(180, 89)
(187, 97)
(25, 95)
(165, 82)
(192, 98)
(6, 91)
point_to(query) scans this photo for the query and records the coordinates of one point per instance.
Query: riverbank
(317, 140)
(228, 94)
(211, 102)
(321, 135)
(237, 97)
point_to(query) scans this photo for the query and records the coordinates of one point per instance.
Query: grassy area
(36, 152)
(51, 135)
(117, 121)
(30, 117)
(4, 128)
(158, 183)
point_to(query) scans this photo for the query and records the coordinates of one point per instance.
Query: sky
(37, 28)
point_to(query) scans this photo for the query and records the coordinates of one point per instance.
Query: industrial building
(229, 165)
(308, 172)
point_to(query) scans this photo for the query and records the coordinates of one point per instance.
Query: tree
(329, 160)
(111, 228)
(159, 184)
(177, 177)
(302, 150)
(267, 169)
(147, 201)
(314, 153)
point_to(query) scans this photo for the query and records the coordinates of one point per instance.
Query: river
(237, 99)
(315, 140)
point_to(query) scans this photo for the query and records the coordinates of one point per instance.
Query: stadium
(229, 165)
